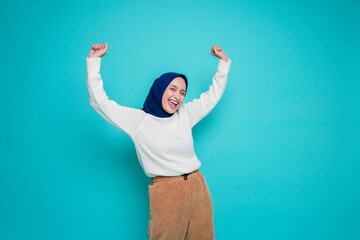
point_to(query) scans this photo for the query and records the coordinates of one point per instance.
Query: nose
(177, 95)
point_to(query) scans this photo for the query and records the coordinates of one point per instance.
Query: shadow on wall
(115, 153)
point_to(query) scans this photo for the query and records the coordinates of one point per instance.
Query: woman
(180, 201)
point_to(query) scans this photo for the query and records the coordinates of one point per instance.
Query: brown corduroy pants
(180, 207)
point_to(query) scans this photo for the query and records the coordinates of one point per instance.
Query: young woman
(180, 201)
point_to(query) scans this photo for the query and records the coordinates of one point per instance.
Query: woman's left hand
(217, 52)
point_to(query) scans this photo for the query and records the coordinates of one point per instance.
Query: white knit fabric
(164, 146)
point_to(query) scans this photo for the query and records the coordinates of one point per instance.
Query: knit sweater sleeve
(124, 118)
(200, 107)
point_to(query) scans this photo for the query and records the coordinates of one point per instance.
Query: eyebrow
(177, 87)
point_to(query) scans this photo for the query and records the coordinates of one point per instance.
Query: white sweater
(164, 146)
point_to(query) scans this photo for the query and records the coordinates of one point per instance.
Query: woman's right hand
(98, 50)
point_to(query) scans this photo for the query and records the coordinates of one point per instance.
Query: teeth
(174, 103)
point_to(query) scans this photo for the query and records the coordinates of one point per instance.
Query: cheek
(165, 96)
(163, 101)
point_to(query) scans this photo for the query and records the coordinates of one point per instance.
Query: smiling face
(174, 95)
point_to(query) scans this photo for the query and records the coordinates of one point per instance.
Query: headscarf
(153, 102)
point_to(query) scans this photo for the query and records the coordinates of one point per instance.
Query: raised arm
(200, 107)
(124, 118)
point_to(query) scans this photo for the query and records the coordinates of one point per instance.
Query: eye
(172, 89)
(183, 94)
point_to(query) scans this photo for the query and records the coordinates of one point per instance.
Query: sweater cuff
(223, 66)
(93, 66)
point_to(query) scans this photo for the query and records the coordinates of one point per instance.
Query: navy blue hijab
(153, 102)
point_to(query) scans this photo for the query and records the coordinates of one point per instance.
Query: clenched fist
(98, 50)
(217, 52)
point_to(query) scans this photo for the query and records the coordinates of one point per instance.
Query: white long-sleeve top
(164, 146)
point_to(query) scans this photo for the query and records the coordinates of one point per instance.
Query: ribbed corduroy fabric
(180, 207)
(164, 146)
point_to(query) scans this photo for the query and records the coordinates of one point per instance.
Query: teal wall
(280, 152)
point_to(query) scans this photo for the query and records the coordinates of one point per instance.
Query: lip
(172, 104)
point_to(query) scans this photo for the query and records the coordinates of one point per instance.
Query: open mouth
(173, 104)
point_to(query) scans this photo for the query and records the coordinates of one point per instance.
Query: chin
(170, 111)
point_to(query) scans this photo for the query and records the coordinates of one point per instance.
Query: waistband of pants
(168, 178)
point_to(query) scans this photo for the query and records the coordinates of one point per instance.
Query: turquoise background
(280, 152)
